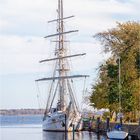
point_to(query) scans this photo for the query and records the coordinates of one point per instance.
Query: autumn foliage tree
(123, 42)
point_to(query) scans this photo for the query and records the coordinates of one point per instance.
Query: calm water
(29, 128)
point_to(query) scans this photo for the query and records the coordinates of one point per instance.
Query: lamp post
(119, 85)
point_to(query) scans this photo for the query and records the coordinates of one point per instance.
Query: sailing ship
(62, 111)
(118, 133)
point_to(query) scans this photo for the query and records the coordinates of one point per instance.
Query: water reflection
(69, 136)
(53, 136)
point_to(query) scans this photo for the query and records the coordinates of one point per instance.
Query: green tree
(124, 42)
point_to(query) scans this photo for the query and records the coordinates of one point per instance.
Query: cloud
(23, 24)
(30, 17)
(21, 54)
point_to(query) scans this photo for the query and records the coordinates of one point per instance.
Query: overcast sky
(23, 24)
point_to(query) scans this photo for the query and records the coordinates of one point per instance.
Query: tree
(124, 42)
(103, 90)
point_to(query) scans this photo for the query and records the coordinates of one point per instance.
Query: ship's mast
(62, 66)
(61, 54)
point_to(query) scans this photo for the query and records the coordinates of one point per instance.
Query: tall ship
(62, 112)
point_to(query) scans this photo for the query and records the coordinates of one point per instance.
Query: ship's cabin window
(53, 110)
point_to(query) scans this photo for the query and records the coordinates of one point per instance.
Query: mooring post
(139, 128)
(121, 121)
(65, 127)
(107, 123)
(73, 130)
(97, 124)
(90, 124)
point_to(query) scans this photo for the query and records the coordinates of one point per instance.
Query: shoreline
(21, 112)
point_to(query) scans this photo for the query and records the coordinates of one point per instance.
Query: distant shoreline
(21, 112)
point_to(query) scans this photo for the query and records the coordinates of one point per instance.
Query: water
(30, 128)
(18, 120)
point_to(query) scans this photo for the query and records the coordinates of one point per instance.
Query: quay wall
(101, 127)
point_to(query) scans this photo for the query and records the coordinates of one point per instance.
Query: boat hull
(56, 122)
(115, 134)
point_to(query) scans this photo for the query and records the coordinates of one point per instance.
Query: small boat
(117, 133)
(62, 111)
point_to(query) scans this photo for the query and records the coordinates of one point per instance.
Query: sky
(23, 25)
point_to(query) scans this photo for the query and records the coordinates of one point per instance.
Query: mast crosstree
(62, 77)
(62, 57)
(60, 19)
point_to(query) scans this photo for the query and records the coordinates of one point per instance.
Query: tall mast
(62, 67)
(61, 53)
